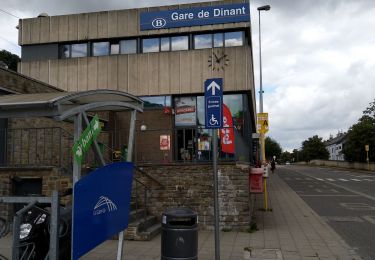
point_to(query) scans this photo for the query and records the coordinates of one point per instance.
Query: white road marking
(319, 179)
(357, 206)
(318, 190)
(370, 219)
(329, 195)
(343, 180)
(355, 180)
(335, 191)
(367, 180)
(329, 179)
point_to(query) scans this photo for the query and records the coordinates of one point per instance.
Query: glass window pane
(157, 101)
(79, 50)
(100, 48)
(165, 44)
(201, 110)
(235, 105)
(180, 43)
(115, 48)
(185, 111)
(150, 45)
(204, 139)
(128, 46)
(218, 40)
(203, 41)
(65, 51)
(233, 39)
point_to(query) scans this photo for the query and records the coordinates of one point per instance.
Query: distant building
(335, 147)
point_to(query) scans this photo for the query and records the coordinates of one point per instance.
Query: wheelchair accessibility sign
(213, 97)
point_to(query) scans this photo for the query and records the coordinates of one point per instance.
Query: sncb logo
(159, 23)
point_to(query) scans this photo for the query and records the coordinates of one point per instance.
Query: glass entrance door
(185, 144)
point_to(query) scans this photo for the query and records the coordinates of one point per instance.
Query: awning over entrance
(62, 105)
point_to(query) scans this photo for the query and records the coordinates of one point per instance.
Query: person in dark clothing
(273, 166)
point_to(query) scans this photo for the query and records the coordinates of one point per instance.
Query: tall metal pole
(120, 246)
(76, 167)
(216, 195)
(260, 70)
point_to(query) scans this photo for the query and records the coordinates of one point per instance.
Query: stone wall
(52, 179)
(192, 186)
(344, 164)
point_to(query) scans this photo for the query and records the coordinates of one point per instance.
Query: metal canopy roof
(62, 105)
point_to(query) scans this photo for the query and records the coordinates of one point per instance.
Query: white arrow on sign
(213, 86)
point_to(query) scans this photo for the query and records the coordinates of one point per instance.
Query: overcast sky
(318, 58)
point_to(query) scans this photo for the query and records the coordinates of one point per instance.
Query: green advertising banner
(87, 137)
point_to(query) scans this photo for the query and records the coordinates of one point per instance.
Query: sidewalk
(292, 230)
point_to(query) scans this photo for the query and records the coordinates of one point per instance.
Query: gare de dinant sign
(230, 13)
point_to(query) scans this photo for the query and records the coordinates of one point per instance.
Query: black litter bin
(179, 237)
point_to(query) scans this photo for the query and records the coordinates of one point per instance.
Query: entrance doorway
(185, 144)
(26, 187)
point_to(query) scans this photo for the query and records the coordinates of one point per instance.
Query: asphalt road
(343, 198)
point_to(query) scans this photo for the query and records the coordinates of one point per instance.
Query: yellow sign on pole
(262, 123)
(367, 147)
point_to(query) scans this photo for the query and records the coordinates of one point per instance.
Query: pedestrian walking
(273, 166)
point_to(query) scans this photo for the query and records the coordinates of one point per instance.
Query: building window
(218, 39)
(100, 49)
(165, 44)
(79, 50)
(233, 39)
(115, 48)
(128, 46)
(180, 43)
(150, 45)
(65, 51)
(157, 101)
(203, 41)
(185, 111)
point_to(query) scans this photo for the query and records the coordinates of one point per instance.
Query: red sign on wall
(165, 142)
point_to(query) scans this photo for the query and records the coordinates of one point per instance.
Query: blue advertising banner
(101, 206)
(230, 13)
(213, 99)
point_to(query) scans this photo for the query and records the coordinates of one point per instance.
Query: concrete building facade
(167, 68)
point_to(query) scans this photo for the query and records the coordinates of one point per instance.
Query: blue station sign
(213, 99)
(101, 206)
(230, 13)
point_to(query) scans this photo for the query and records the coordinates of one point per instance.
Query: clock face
(218, 60)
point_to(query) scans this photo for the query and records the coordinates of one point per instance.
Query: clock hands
(217, 59)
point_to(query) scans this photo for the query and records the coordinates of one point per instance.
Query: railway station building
(162, 55)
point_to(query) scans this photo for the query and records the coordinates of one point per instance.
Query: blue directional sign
(229, 13)
(101, 206)
(213, 99)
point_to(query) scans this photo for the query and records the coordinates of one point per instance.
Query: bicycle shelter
(62, 106)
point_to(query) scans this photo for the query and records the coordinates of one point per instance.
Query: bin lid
(179, 212)
(257, 171)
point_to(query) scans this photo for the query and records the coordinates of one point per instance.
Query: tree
(359, 135)
(314, 148)
(370, 111)
(286, 157)
(272, 148)
(296, 155)
(9, 59)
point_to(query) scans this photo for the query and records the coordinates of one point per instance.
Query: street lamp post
(262, 8)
